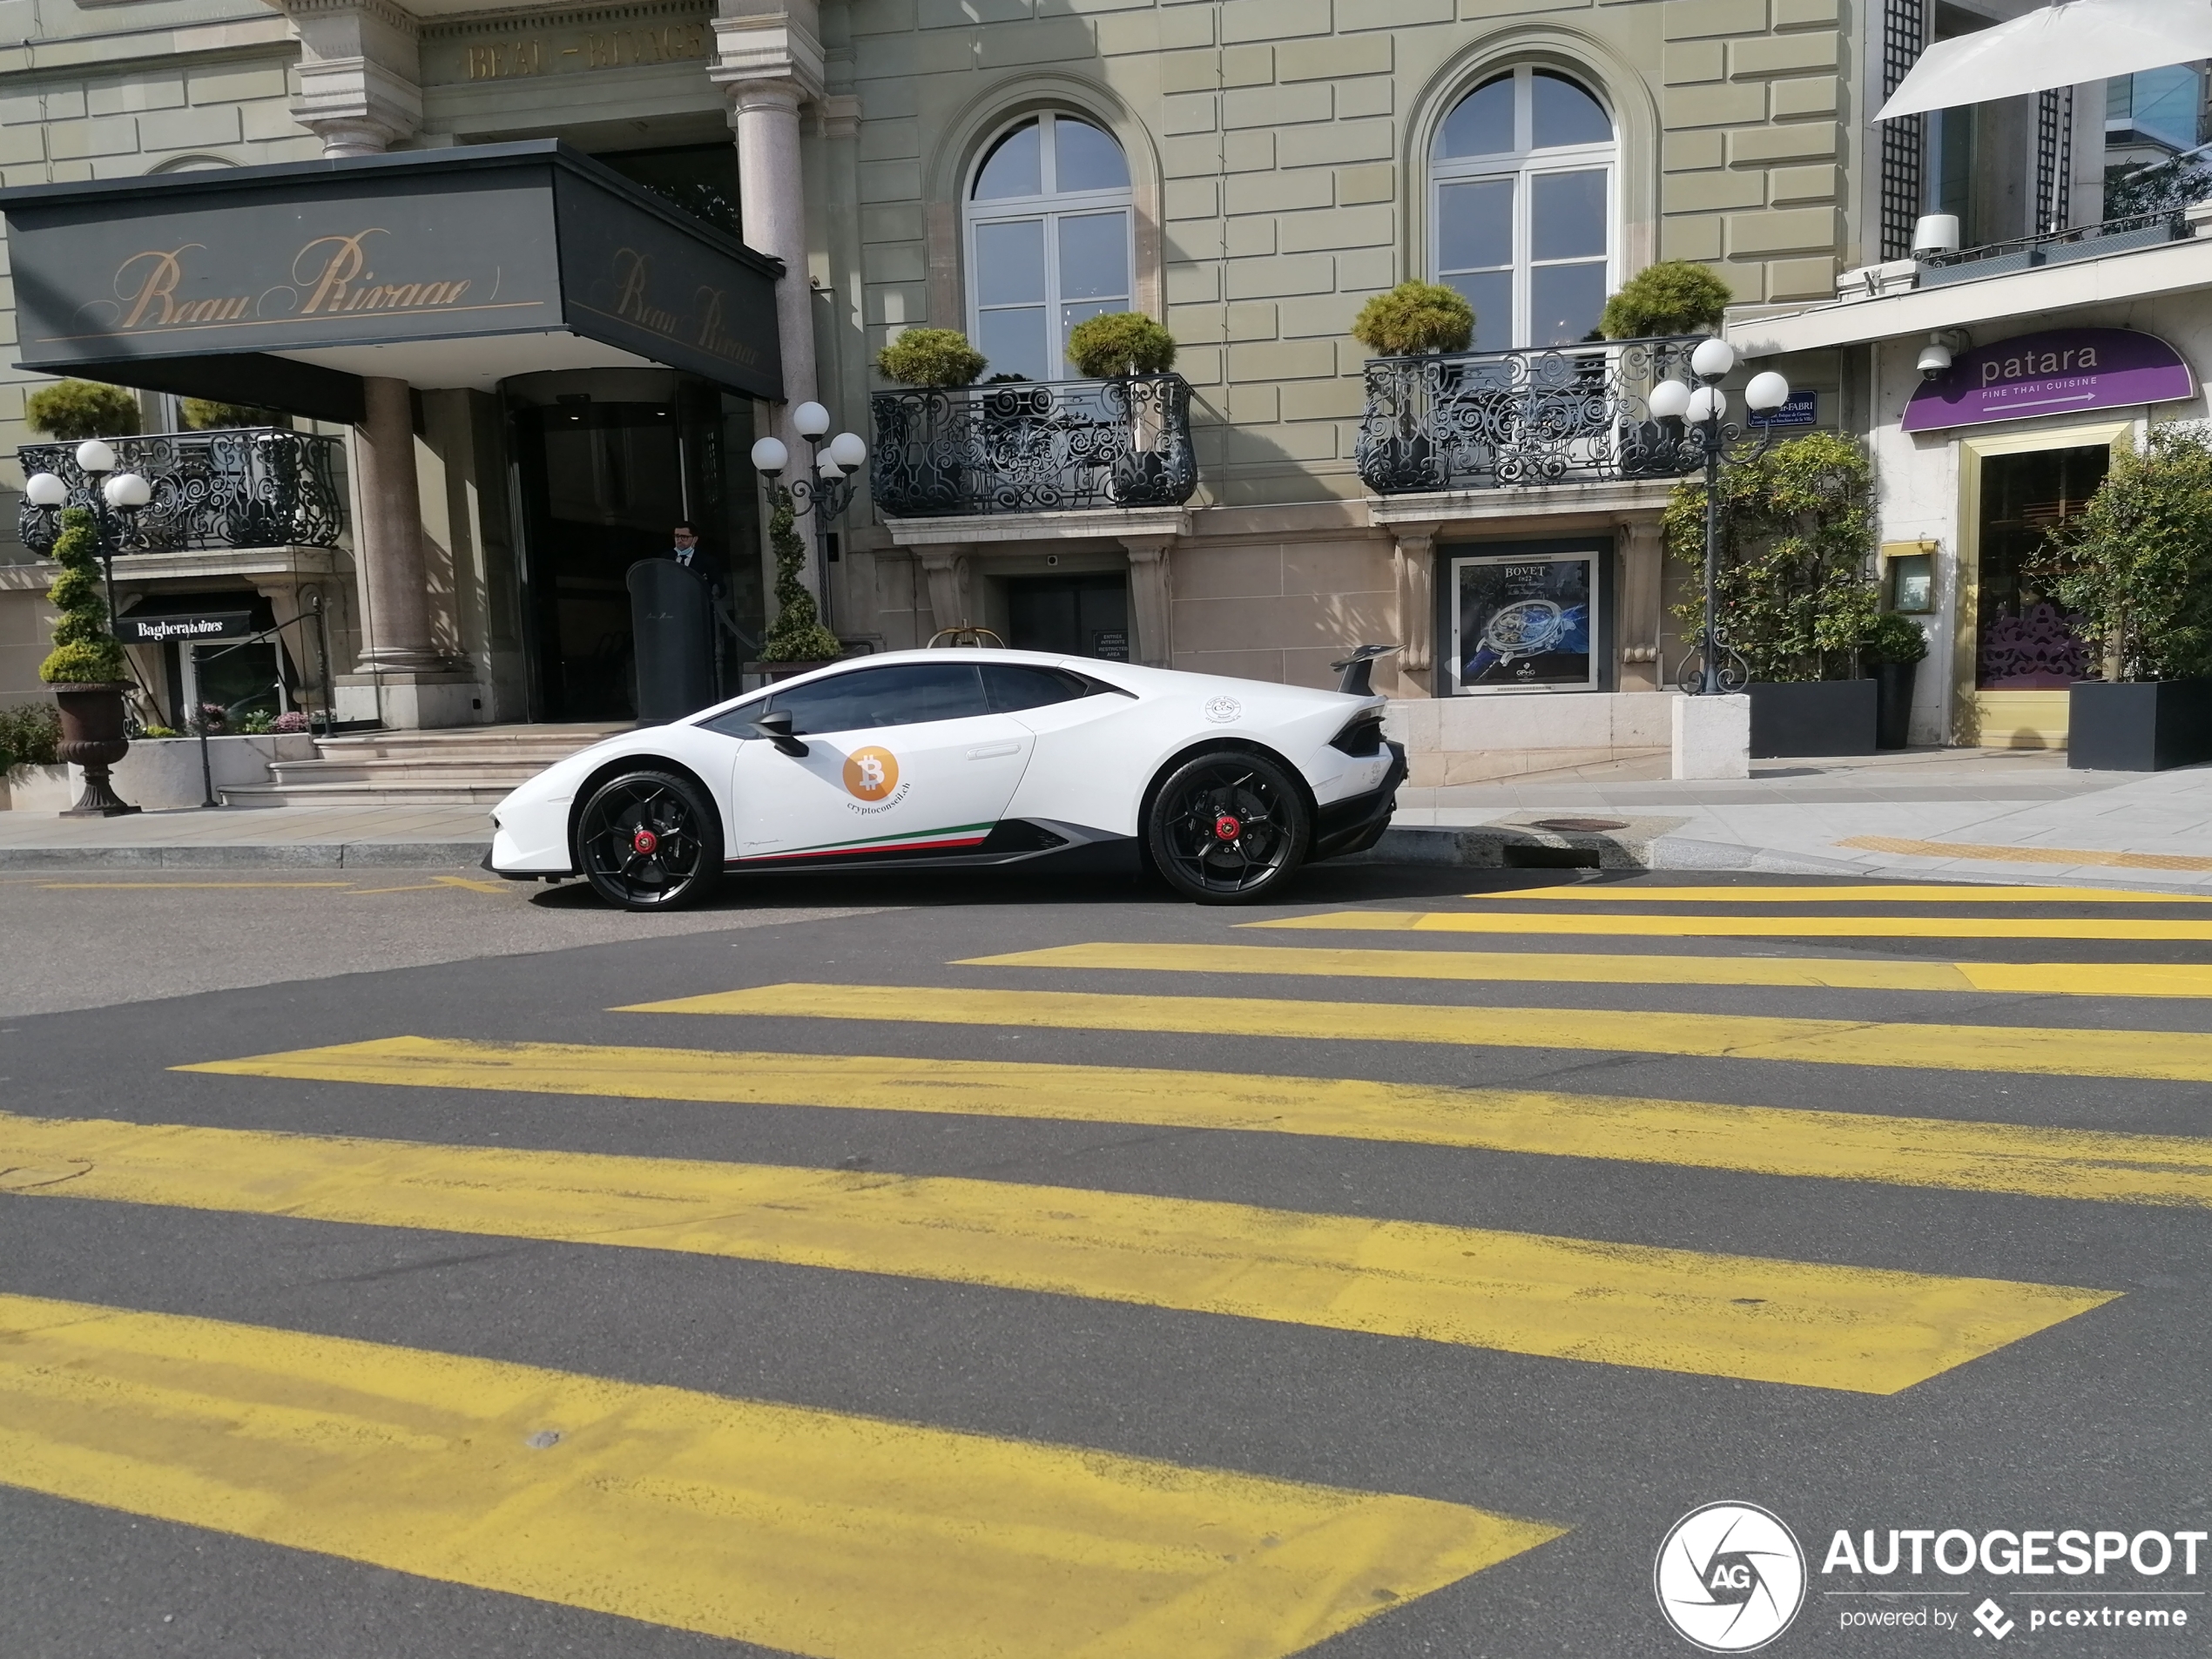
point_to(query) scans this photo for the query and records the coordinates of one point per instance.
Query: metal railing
(1033, 447)
(239, 487)
(1557, 415)
(2056, 247)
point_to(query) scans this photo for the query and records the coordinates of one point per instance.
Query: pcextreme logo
(1729, 1577)
(871, 773)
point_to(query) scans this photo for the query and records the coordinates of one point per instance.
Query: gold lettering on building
(590, 50)
(330, 277)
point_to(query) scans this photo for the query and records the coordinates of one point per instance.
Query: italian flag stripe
(952, 835)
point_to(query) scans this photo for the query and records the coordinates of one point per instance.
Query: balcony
(1033, 447)
(245, 487)
(2056, 247)
(1490, 420)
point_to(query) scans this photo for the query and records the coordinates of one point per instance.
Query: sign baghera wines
(2064, 372)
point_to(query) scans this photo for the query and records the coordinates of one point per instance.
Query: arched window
(1049, 242)
(1520, 202)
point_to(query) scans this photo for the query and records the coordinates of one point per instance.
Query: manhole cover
(1579, 825)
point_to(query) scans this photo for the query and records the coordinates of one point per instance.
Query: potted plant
(1797, 603)
(2135, 566)
(1118, 348)
(1672, 299)
(923, 438)
(71, 411)
(797, 641)
(1412, 319)
(86, 668)
(1895, 646)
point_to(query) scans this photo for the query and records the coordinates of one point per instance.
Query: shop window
(1521, 208)
(1049, 242)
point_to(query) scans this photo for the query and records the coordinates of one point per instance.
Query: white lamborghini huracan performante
(969, 756)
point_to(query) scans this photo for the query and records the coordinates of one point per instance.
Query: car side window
(1023, 686)
(896, 694)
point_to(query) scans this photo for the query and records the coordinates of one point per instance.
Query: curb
(297, 855)
(1506, 847)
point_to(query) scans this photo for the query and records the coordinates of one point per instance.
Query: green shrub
(1120, 344)
(1796, 534)
(161, 731)
(259, 723)
(30, 734)
(74, 410)
(206, 414)
(1674, 297)
(797, 635)
(84, 652)
(2135, 564)
(931, 357)
(1415, 317)
(1896, 639)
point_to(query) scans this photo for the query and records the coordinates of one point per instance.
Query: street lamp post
(1710, 437)
(824, 490)
(112, 492)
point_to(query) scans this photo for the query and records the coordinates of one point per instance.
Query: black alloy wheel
(646, 840)
(1227, 827)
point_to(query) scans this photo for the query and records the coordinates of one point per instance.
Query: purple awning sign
(2063, 372)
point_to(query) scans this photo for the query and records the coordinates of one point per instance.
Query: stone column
(1416, 570)
(945, 568)
(359, 74)
(1150, 598)
(387, 543)
(1638, 580)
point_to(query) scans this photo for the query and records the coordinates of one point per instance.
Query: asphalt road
(1162, 1297)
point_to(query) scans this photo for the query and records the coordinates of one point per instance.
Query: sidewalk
(1983, 815)
(1962, 814)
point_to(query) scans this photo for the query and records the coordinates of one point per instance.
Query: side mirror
(775, 725)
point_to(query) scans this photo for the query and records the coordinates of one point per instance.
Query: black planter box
(1893, 703)
(2138, 726)
(1817, 718)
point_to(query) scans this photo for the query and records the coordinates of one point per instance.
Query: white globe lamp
(45, 490)
(1669, 399)
(770, 457)
(94, 457)
(849, 451)
(1767, 391)
(810, 420)
(1707, 403)
(1713, 358)
(127, 491)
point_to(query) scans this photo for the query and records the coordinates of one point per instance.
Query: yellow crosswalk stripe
(1844, 1146)
(814, 1532)
(1524, 923)
(1866, 1330)
(2058, 1050)
(2042, 979)
(1889, 893)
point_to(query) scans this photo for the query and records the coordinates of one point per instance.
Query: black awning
(266, 284)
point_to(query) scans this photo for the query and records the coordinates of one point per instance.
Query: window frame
(1521, 165)
(1047, 209)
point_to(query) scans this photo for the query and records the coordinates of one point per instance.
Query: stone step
(457, 766)
(486, 796)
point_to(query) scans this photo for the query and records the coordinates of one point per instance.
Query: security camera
(1935, 361)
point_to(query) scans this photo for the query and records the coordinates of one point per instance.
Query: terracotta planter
(92, 738)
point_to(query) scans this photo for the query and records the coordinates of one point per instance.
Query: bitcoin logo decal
(871, 773)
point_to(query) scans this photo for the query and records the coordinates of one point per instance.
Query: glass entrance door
(601, 485)
(2023, 642)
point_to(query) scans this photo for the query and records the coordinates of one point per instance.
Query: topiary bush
(798, 635)
(1896, 639)
(74, 410)
(2135, 564)
(84, 652)
(931, 357)
(30, 734)
(1415, 317)
(1119, 344)
(205, 415)
(1797, 536)
(1674, 297)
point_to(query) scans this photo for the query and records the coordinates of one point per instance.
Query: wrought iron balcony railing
(2057, 247)
(1034, 447)
(1558, 415)
(239, 487)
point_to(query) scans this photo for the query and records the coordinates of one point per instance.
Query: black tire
(648, 840)
(1227, 827)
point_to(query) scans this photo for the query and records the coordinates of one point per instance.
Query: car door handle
(991, 751)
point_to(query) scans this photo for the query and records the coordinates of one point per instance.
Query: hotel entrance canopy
(285, 285)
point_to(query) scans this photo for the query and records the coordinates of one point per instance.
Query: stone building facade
(1280, 161)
